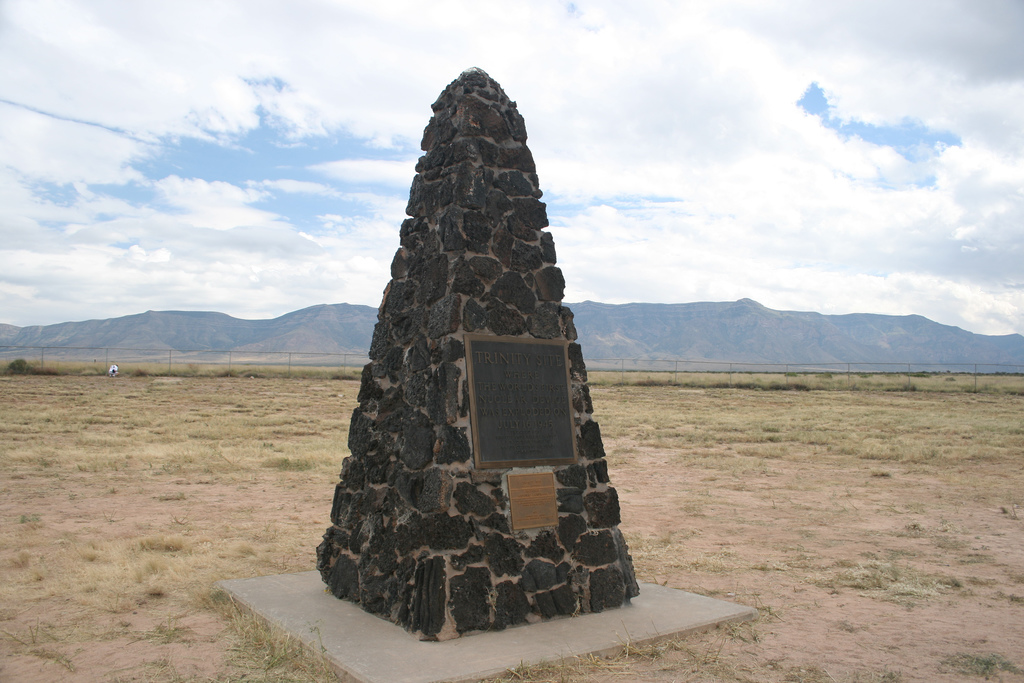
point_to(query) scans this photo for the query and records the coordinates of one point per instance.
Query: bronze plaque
(520, 401)
(533, 500)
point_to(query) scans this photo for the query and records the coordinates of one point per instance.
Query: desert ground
(878, 533)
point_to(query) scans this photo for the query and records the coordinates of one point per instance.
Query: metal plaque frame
(520, 401)
(532, 500)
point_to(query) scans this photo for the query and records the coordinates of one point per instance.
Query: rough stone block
(361, 438)
(542, 574)
(526, 258)
(496, 522)
(444, 316)
(428, 491)
(626, 565)
(595, 548)
(470, 500)
(573, 475)
(473, 555)
(443, 394)
(478, 231)
(531, 211)
(545, 605)
(503, 320)
(570, 500)
(501, 246)
(546, 545)
(511, 289)
(474, 316)
(550, 283)
(486, 267)
(504, 555)
(514, 184)
(581, 401)
(544, 321)
(597, 472)
(368, 389)
(569, 529)
(470, 599)
(547, 248)
(565, 600)
(607, 589)
(428, 596)
(445, 532)
(344, 578)
(417, 440)
(591, 445)
(602, 508)
(510, 605)
(465, 281)
(454, 446)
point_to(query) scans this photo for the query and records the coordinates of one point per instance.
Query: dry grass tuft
(901, 584)
(979, 665)
(163, 544)
(279, 657)
(21, 560)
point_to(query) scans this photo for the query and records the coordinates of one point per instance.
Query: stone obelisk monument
(476, 496)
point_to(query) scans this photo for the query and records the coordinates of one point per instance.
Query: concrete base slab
(368, 649)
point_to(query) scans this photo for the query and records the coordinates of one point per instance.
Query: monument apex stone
(475, 495)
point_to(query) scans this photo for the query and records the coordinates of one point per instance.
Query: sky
(254, 157)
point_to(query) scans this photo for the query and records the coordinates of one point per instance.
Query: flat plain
(878, 533)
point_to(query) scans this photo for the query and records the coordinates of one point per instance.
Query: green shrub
(19, 366)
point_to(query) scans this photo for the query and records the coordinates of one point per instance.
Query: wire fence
(835, 375)
(674, 366)
(125, 358)
(819, 375)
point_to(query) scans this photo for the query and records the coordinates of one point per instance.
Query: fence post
(622, 371)
(675, 376)
(42, 357)
(847, 375)
(975, 378)
(908, 376)
(730, 375)
(229, 361)
(787, 374)
(289, 364)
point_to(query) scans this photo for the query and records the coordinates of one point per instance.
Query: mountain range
(738, 331)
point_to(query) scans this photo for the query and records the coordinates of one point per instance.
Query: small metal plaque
(520, 401)
(533, 500)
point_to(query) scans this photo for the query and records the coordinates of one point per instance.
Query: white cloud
(369, 171)
(217, 205)
(297, 187)
(58, 151)
(137, 253)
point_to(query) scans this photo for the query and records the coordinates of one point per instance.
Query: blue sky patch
(262, 154)
(911, 139)
(55, 193)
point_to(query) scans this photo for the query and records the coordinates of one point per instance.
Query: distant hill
(742, 331)
(746, 331)
(336, 328)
